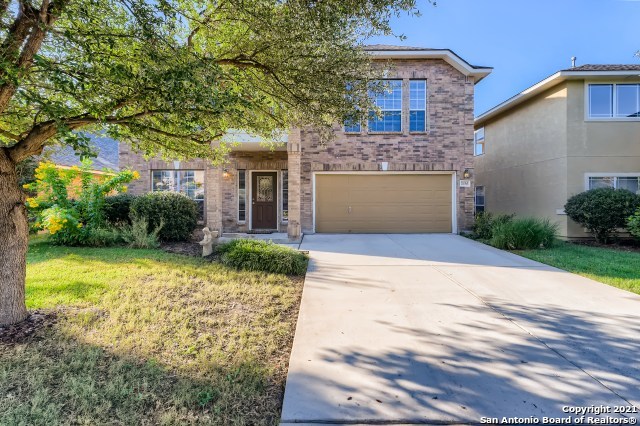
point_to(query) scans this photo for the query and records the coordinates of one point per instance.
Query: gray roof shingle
(106, 148)
(606, 67)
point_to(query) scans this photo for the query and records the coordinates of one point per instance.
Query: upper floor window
(390, 104)
(478, 141)
(614, 101)
(352, 127)
(628, 182)
(417, 105)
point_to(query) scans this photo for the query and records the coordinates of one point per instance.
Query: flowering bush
(70, 202)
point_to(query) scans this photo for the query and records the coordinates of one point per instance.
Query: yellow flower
(124, 189)
(26, 186)
(79, 225)
(136, 175)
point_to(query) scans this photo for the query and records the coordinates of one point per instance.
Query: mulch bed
(627, 245)
(23, 331)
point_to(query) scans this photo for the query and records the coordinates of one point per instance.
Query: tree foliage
(172, 76)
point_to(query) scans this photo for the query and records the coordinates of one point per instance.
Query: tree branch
(37, 23)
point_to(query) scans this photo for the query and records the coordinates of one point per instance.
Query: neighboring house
(575, 130)
(106, 149)
(398, 173)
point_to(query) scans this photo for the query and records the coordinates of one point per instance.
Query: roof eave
(543, 85)
(447, 55)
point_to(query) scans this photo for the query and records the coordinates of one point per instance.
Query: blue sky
(524, 41)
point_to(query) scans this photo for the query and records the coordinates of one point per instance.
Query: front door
(264, 203)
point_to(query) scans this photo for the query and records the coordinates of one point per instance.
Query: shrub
(79, 221)
(602, 210)
(260, 255)
(633, 224)
(524, 233)
(485, 223)
(176, 214)
(137, 234)
(116, 209)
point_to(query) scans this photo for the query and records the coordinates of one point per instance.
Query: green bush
(137, 234)
(485, 222)
(602, 211)
(524, 233)
(260, 255)
(633, 224)
(175, 213)
(91, 237)
(117, 207)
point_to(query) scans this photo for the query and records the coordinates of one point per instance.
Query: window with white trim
(389, 101)
(614, 101)
(242, 195)
(417, 105)
(479, 199)
(630, 183)
(478, 141)
(187, 182)
(285, 195)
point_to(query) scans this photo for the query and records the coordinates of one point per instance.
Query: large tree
(170, 77)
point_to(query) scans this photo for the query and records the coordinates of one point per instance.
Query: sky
(524, 41)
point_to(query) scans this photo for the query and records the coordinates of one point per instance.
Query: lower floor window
(479, 199)
(630, 183)
(187, 182)
(242, 195)
(285, 195)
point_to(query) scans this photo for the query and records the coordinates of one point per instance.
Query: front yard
(147, 337)
(610, 266)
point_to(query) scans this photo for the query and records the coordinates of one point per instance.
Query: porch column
(293, 159)
(214, 199)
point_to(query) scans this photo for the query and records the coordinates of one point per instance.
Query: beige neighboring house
(406, 172)
(575, 130)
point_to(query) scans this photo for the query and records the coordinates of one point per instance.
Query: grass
(147, 337)
(614, 267)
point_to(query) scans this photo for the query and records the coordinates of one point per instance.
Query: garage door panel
(383, 203)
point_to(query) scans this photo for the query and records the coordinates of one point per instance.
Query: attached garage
(383, 203)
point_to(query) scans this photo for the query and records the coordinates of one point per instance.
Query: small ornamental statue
(207, 243)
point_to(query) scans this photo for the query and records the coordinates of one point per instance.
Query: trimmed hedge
(117, 208)
(176, 213)
(524, 234)
(260, 255)
(602, 211)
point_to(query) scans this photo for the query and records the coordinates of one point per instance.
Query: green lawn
(610, 266)
(147, 337)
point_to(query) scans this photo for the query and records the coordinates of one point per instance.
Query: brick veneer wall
(446, 146)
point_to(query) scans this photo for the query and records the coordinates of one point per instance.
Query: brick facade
(446, 146)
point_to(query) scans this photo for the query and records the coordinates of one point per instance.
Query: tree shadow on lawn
(57, 379)
(489, 367)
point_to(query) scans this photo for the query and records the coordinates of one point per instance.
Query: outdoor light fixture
(466, 174)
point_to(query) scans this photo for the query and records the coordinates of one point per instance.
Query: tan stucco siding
(524, 168)
(597, 146)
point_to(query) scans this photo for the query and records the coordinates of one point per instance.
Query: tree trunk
(14, 236)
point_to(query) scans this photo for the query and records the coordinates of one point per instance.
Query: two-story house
(575, 130)
(406, 171)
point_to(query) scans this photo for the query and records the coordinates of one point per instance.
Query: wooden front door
(264, 200)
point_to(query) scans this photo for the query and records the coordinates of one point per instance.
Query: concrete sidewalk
(441, 329)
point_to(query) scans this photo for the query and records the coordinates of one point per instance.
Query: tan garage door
(400, 203)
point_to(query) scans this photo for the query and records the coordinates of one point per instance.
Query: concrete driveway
(441, 329)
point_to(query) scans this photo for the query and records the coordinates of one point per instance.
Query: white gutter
(545, 84)
(446, 55)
